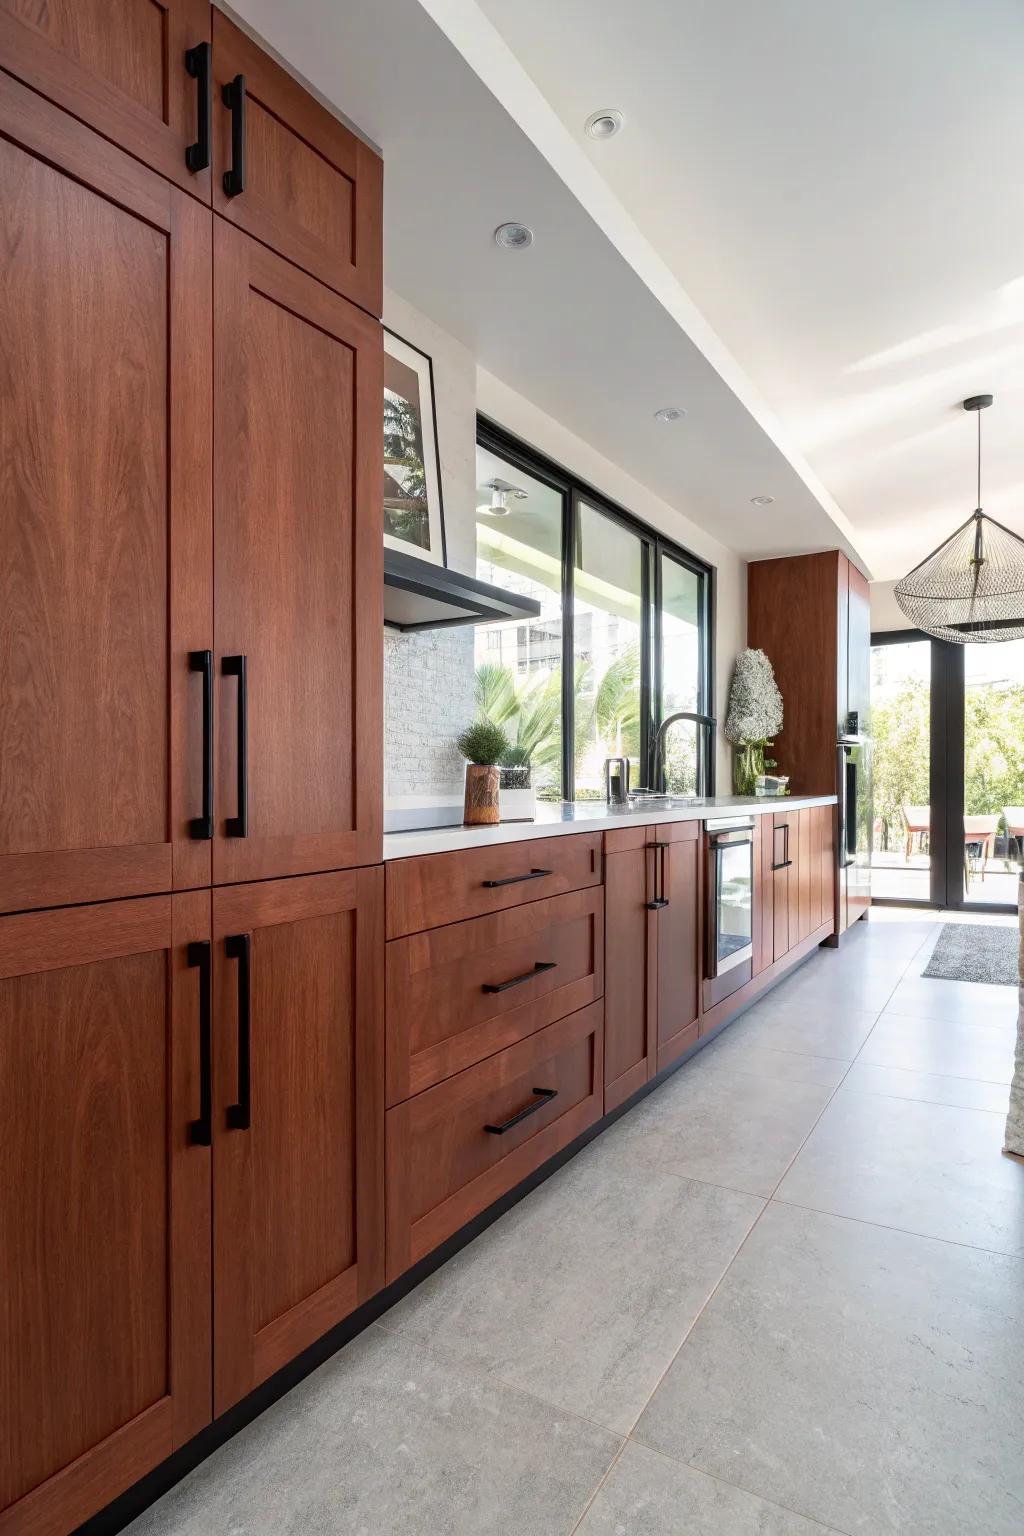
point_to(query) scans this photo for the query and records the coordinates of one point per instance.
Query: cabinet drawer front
(447, 887)
(312, 190)
(460, 993)
(444, 1166)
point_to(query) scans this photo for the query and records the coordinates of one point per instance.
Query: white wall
(520, 416)
(885, 611)
(428, 679)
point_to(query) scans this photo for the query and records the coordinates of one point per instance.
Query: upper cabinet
(298, 578)
(289, 173)
(122, 67)
(105, 517)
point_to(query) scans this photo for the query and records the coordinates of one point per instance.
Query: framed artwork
(413, 514)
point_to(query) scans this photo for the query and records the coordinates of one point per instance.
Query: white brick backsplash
(428, 700)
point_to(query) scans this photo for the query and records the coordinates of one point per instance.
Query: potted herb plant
(754, 717)
(483, 745)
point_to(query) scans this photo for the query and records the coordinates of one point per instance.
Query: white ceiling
(589, 324)
(838, 189)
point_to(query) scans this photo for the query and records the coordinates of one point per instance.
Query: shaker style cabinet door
(138, 71)
(630, 992)
(105, 1204)
(678, 955)
(105, 573)
(298, 569)
(298, 1154)
(288, 172)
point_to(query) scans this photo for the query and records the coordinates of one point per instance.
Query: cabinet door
(678, 933)
(630, 994)
(119, 66)
(308, 188)
(104, 517)
(105, 1211)
(783, 886)
(298, 1117)
(298, 569)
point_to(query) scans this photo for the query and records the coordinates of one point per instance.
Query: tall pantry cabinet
(191, 903)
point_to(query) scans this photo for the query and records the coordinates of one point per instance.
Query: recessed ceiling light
(761, 501)
(513, 237)
(670, 413)
(604, 124)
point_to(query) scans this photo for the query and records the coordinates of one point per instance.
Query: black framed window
(623, 639)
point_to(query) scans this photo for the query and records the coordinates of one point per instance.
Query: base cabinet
(794, 881)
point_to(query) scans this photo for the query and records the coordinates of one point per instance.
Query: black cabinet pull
(237, 666)
(543, 1096)
(517, 981)
(197, 62)
(535, 874)
(662, 900)
(786, 860)
(784, 865)
(201, 827)
(233, 97)
(200, 1132)
(239, 947)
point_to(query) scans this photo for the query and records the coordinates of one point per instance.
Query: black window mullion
(570, 523)
(646, 654)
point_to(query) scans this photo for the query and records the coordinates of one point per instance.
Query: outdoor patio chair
(1015, 826)
(979, 832)
(917, 820)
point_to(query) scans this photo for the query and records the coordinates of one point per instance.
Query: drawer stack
(495, 1026)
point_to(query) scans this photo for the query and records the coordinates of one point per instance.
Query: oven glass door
(734, 889)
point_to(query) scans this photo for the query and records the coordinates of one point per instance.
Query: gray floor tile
(647, 1495)
(872, 1380)
(583, 1293)
(929, 1168)
(983, 1051)
(807, 1026)
(933, 1088)
(965, 1002)
(738, 1054)
(385, 1441)
(725, 1128)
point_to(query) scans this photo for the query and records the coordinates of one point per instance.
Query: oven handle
(735, 839)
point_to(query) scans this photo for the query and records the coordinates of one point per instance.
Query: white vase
(517, 804)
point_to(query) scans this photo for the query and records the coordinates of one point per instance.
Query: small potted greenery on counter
(754, 718)
(484, 746)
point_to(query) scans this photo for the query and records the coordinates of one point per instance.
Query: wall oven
(729, 913)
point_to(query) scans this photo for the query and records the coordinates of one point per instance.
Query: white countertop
(554, 819)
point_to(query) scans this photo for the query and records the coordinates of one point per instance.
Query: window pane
(519, 664)
(993, 770)
(606, 648)
(681, 618)
(901, 726)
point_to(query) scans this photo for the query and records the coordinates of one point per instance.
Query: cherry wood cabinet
(105, 1212)
(678, 931)
(105, 516)
(298, 569)
(298, 1168)
(120, 67)
(289, 173)
(455, 1149)
(460, 993)
(795, 886)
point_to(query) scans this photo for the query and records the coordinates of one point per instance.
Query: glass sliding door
(993, 771)
(901, 855)
(607, 641)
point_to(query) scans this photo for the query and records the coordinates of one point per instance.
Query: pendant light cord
(978, 502)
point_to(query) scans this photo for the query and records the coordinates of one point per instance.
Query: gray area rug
(975, 952)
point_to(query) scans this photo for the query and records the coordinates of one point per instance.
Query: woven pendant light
(972, 587)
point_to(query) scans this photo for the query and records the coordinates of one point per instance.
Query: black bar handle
(239, 947)
(238, 666)
(660, 850)
(535, 874)
(784, 865)
(786, 860)
(233, 97)
(201, 827)
(200, 1132)
(197, 62)
(657, 904)
(517, 981)
(543, 1096)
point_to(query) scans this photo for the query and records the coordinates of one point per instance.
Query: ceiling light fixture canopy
(604, 124)
(972, 587)
(513, 237)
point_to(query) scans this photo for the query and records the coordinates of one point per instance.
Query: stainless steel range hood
(419, 595)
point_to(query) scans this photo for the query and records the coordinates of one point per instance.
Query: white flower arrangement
(755, 703)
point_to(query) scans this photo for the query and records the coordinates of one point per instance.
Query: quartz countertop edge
(555, 820)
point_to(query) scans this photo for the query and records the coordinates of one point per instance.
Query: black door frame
(945, 779)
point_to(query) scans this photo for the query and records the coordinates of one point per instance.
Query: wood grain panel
(314, 191)
(443, 1165)
(104, 511)
(628, 1042)
(781, 894)
(104, 1228)
(447, 887)
(440, 1015)
(298, 1196)
(802, 835)
(678, 966)
(118, 66)
(297, 516)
